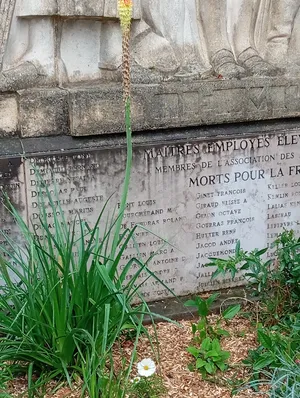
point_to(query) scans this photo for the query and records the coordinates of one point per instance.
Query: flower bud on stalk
(125, 13)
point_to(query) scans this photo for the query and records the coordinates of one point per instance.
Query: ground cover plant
(276, 282)
(64, 302)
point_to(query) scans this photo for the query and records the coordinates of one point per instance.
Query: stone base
(98, 110)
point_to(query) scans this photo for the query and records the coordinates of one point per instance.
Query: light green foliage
(209, 357)
(147, 387)
(204, 328)
(206, 347)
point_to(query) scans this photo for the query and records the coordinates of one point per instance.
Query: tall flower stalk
(125, 14)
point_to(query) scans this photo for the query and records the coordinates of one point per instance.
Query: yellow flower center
(146, 367)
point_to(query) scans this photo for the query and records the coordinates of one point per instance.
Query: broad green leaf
(222, 332)
(193, 350)
(216, 345)
(211, 299)
(263, 362)
(231, 312)
(206, 344)
(203, 309)
(200, 363)
(264, 339)
(212, 354)
(190, 303)
(222, 366)
(225, 355)
(210, 368)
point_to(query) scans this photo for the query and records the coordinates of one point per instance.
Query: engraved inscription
(201, 197)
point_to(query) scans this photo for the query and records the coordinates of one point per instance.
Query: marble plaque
(12, 186)
(202, 196)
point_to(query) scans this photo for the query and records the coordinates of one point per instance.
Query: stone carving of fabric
(283, 14)
(6, 14)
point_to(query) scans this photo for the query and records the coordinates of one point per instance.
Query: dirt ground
(180, 382)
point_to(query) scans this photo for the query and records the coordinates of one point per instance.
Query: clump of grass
(64, 302)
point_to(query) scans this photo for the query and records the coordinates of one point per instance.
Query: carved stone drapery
(6, 14)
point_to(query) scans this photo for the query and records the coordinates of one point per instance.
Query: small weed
(209, 357)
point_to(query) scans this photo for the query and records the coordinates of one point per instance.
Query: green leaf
(238, 248)
(222, 332)
(200, 363)
(212, 354)
(264, 339)
(210, 368)
(216, 345)
(211, 299)
(225, 355)
(206, 344)
(202, 309)
(261, 252)
(263, 362)
(222, 366)
(194, 351)
(231, 312)
(190, 303)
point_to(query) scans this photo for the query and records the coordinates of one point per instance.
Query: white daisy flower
(146, 367)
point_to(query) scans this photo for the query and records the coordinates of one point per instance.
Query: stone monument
(187, 56)
(195, 63)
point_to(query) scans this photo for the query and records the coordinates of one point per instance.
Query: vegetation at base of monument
(276, 283)
(206, 349)
(65, 302)
(147, 387)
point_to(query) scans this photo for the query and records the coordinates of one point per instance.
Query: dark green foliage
(277, 284)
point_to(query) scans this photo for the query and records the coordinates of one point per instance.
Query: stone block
(101, 111)
(44, 112)
(8, 115)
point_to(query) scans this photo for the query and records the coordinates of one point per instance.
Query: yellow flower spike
(125, 13)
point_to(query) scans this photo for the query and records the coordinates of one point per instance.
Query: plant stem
(127, 176)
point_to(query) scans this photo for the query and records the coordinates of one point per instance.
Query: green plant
(275, 281)
(6, 376)
(65, 300)
(204, 328)
(147, 387)
(285, 381)
(209, 357)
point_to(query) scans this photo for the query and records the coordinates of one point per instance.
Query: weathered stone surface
(12, 185)
(43, 112)
(8, 115)
(201, 195)
(100, 110)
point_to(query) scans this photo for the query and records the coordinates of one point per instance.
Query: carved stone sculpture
(57, 42)
(241, 58)
(283, 14)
